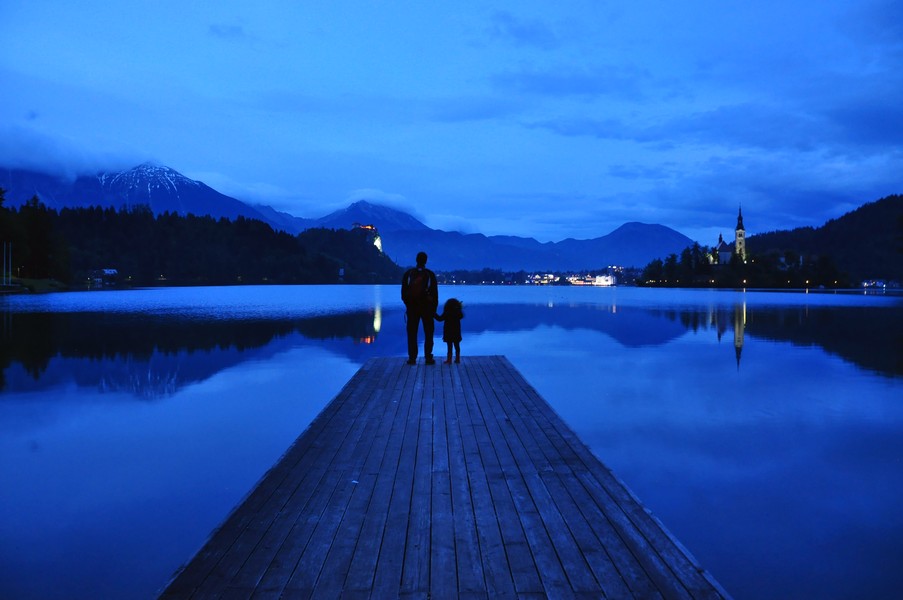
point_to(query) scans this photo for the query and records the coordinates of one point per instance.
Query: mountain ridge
(164, 189)
(161, 188)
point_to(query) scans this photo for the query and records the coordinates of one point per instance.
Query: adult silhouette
(420, 294)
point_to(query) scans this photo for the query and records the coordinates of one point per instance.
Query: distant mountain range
(165, 190)
(632, 244)
(161, 188)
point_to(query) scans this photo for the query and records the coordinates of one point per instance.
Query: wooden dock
(444, 481)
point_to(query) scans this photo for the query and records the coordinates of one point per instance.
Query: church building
(723, 251)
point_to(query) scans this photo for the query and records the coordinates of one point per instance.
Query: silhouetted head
(453, 306)
(421, 259)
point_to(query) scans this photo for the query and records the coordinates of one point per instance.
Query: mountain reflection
(152, 355)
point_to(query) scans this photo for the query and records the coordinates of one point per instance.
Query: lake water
(764, 429)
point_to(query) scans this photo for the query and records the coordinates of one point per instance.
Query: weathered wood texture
(443, 481)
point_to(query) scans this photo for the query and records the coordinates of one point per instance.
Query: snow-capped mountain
(146, 179)
(164, 189)
(161, 188)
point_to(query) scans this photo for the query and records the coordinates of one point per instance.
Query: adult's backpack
(418, 287)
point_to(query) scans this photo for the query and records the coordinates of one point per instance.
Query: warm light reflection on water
(764, 429)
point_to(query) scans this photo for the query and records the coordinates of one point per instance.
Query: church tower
(740, 240)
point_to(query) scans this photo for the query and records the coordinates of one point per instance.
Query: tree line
(864, 244)
(73, 244)
(696, 267)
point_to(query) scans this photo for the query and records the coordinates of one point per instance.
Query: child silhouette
(451, 316)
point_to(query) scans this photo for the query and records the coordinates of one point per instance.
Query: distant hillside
(165, 190)
(866, 243)
(362, 212)
(630, 245)
(282, 221)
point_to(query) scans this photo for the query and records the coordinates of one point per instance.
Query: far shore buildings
(723, 251)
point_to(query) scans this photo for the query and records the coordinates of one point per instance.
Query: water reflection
(869, 337)
(152, 356)
(105, 497)
(748, 422)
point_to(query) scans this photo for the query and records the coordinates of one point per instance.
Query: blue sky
(541, 119)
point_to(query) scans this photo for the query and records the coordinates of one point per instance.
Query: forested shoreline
(133, 247)
(862, 246)
(788, 269)
(74, 245)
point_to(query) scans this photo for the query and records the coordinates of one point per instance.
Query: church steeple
(740, 239)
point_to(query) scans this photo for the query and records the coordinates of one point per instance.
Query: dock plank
(441, 481)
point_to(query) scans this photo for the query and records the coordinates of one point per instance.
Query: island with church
(737, 265)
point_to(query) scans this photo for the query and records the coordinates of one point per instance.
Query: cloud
(545, 215)
(28, 148)
(877, 22)
(867, 123)
(640, 172)
(523, 32)
(859, 126)
(617, 82)
(610, 129)
(747, 125)
(447, 222)
(392, 200)
(777, 191)
(872, 122)
(474, 108)
(226, 31)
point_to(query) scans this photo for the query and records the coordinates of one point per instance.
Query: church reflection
(734, 319)
(739, 329)
(865, 336)
(719, 319)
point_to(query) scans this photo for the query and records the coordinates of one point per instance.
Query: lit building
(740, 240)
(594, 280)
(543, 279)
(723, 251)
(377, 241)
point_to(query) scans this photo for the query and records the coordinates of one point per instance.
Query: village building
(101, 278)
